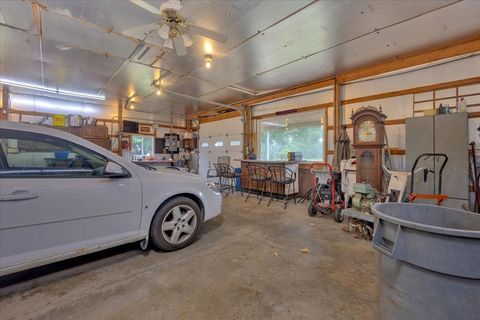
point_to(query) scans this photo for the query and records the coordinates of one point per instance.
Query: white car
(62, 196)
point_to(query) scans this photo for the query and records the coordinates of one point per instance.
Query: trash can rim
(421, 226)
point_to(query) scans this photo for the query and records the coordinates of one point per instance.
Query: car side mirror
(114, 170)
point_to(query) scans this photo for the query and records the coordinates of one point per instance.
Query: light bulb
(132, 106)
(208, 61)
(159, 92)
(208, 48)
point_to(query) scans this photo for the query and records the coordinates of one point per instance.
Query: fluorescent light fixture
(46, 103)
(36, 87)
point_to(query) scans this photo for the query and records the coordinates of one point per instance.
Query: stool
(283, 176)
(260, 175)
(227, 177)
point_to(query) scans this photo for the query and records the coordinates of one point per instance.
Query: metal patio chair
(260, 176)
(284, 177)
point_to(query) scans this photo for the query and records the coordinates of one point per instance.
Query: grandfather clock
(368, 141)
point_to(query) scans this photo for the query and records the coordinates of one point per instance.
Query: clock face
(367, 131)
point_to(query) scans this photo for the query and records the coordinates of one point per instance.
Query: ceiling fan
(172, 27)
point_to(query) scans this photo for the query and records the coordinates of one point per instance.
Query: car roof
(41, 129)
(4, 124)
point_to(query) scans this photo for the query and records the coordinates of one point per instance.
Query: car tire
(176, 224)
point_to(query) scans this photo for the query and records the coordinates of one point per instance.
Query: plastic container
(238, 179)
(429, 265)
(61, 155)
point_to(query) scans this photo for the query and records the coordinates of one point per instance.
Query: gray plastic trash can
(429, 265)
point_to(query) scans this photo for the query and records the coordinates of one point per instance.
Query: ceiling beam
(407, 61)
(399, 63)
(284, 93)
(416, 90)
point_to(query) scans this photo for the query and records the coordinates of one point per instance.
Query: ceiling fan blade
(137, 31)
(146, 6)
(179, 46)
(155, 40)
(208, 33)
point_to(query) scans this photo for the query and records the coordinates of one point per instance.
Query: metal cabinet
(441, 134)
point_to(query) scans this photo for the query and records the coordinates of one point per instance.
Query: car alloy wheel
(179, 224)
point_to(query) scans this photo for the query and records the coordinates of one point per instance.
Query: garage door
(220, 138)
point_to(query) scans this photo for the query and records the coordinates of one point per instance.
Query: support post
(247, 130)
(120, 126)
(337, 110)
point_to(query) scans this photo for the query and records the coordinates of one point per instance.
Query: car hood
(173, 175)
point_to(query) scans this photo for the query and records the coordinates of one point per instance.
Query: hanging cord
(388, 160)
(389, 165)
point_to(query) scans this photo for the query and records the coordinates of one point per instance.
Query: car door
(55, 199)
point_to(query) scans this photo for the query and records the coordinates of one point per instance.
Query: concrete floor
(246, 265)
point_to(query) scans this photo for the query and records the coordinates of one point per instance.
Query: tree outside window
(142, 145)
(297, 133)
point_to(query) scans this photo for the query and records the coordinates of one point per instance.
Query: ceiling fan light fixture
(132, 106)
(159, 91)
(168, 43)
(187, 41)
(208, 61)
(164, 31)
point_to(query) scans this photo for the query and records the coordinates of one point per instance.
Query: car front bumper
(212, 204)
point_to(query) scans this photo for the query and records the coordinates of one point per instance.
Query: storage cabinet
(95, 134)
(441, 134)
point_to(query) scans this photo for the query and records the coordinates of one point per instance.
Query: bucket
(429, 263)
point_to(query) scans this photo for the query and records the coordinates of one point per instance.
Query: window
(303, 132)
(142, 145)
(235, 143)
(25, 154)
(204, 144)
(219, 144)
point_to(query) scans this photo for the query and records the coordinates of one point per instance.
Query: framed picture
(145, 129)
